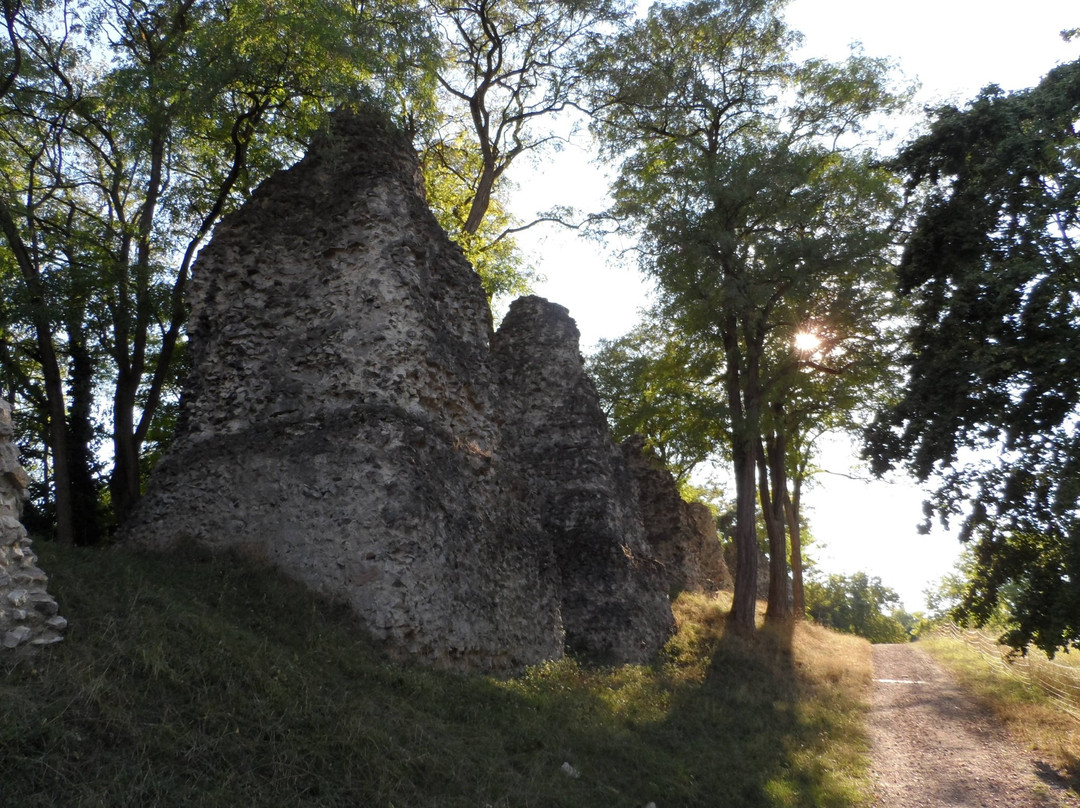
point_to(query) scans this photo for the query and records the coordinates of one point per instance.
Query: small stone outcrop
(614, 595)
(344, 419)
(28, 613)
(682, 535)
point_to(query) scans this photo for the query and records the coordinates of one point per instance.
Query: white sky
(954, 48)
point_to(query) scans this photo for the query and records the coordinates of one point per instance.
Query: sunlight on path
(933, 746)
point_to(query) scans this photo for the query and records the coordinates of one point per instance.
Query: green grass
(189, 680)
(1028, 714)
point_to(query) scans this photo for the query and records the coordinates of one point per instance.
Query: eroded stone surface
(682, 535)
(614, 595)
(28, 613)
(344, 420)
(338, 419)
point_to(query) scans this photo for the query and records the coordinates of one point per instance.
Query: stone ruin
(579, 485)
(351, 417)
(682, 535)
(28, 613)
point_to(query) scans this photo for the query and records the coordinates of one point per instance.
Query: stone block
(47, 639)
(44, 604)
(16, 636)
(57, 623)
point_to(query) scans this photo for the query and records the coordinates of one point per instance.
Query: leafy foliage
(856, 604)
(750, 216)
(508, 70)
(656, 383)
(449, 176)
(992, 400)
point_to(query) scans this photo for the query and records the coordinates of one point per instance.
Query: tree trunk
(54, 397)
(481, 199)
(84, 494)
(743, 394)
(125, 484)
(50, 373)
(798, 598)
(744, 602)
(771, 485)
(774, 490)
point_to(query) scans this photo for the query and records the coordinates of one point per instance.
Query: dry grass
(818, 679)
(1026, 712)
(196, 681)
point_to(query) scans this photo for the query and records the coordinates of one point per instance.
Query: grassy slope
(195, 681)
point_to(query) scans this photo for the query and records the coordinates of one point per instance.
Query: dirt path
(933, 746)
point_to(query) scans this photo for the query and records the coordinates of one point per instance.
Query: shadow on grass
(201, 681)
(1055, 779)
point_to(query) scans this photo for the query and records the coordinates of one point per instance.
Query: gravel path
(933, 746)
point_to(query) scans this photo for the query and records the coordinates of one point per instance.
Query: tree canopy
(857, 604)
(509, 68)
(752, 214)
(992, 400)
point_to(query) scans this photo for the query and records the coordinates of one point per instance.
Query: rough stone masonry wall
(614, 597)
(344, 421)
(28, 613)
(338, 420)
(682, 534)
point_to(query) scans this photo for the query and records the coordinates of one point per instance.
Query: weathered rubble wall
(28, 613)
(614, 595)
(682, 535)
(342, 419)
(338, 420)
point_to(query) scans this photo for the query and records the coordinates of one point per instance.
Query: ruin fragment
(682, 535)
(346, 419)
(29, 615)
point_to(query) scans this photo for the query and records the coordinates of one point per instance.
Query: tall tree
(666, 384)
(992, 400)
(826, 378)
(509, 70)
(39, 105)
(745, 204)
(511, 66)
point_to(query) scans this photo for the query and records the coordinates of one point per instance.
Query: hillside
(197, 680)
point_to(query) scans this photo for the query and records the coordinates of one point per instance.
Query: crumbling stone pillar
(339, 419)
(615, 605)
(682, 534)
(28, 613)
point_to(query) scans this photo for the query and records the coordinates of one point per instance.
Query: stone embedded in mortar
(28, 613)
(683, 535)
(614, 595)
(345, 419)
(339, 417)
